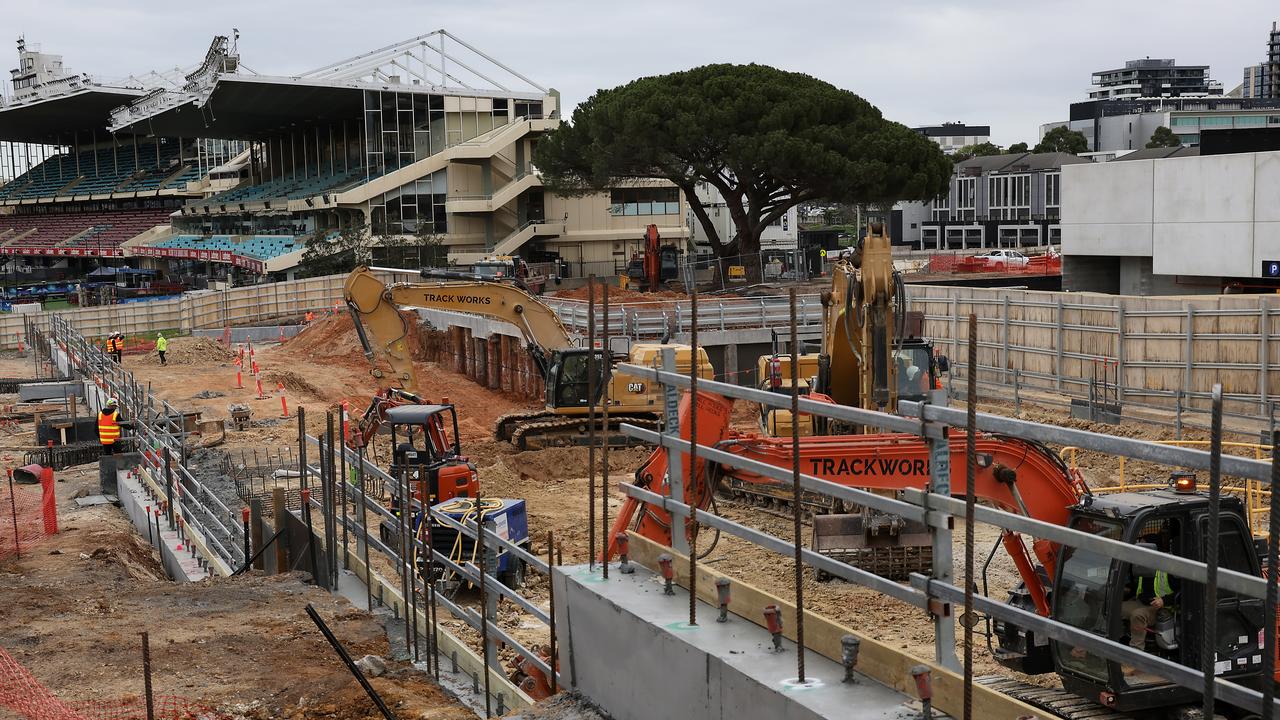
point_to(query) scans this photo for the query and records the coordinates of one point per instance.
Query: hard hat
(111, 402)
(159, 335)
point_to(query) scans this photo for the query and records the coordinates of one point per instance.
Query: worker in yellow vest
(109, 423)
(162, 346)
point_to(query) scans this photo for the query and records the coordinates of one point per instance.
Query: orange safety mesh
(22, 694)
(30, 510)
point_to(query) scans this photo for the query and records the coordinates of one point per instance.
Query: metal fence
(935, 506)
(337, 479)
(160, 433)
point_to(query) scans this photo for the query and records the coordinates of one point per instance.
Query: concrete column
(457, 347)
(504, 353)
(480, 349)
(469, 347)
(731, 374)
(495, 363)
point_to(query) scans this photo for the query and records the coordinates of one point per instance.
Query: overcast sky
(1012, 64)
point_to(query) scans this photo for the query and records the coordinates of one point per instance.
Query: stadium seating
(97, 172)
(106, 229)
(287, 188)
(261, 247)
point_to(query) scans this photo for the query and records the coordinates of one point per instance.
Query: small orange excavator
(1078, 587)
(654, 265)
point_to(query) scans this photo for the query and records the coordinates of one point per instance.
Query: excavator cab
(919, 370)
(568, 378)
(1096, 593)
(426, 451)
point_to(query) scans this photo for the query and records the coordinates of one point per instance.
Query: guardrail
(159, 431)
(651, 320)
(347, 511)
(940, 511)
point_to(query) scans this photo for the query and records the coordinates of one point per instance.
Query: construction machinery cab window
(915, 378)
(567, 382)
(645, 201)
(1082, 595)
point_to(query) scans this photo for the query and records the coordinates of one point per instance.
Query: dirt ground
(52, 610)
(73, 607)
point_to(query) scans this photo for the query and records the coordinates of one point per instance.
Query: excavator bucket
(886, 545)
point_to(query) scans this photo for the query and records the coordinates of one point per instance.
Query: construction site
(260, 481)
(382, 425)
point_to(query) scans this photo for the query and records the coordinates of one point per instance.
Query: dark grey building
(1009, 200)
(1263, 80)
(953, 136)
(1153, 77)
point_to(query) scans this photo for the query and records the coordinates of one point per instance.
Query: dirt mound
(293, 382)
(197, 350)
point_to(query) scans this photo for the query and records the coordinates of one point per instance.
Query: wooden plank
(875, 659)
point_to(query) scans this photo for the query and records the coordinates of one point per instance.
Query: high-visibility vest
(162, 344)
(1163, 589)
(111, 344)
(108, 427)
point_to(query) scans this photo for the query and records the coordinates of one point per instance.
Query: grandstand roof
(237, 105)
(53, 119)
(253, 106)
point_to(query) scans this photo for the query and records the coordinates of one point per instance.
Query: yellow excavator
(375, 308)
(873, 355)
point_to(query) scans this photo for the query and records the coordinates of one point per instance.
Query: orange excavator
(1079, 587)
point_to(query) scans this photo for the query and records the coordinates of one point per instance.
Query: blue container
(510, 522)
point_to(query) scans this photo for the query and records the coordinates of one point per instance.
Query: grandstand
(427, 137)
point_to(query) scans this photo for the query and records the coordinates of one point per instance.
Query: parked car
(1003, 259)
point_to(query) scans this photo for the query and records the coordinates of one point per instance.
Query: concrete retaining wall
(629, 649)
(261, 334)
(175, 554)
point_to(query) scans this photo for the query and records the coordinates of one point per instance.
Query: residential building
(1119, 125)
(953, 136)
(1176, 224)
(1151, 77)
(1008, 200)
(1263, 80)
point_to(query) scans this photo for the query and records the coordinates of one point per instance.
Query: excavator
(375, 309)
(1079, 587)
(873, 354)
(649, 268)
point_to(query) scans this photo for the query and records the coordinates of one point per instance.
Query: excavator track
(507, 424)
(558, 431)
(895, 562)
(1059, 703)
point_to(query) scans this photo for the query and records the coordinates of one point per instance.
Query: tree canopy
(981, 149)
(1163, 137)
(1018, 147)
(766, 139)
(1063, 139)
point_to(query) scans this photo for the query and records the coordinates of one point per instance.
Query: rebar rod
(797, 540)
(604, 424)
(591, 423)
(484, 608)
(970, 479)
(1209, 640)
(690, 488)
(551, 608)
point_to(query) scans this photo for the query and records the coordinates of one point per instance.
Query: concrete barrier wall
(197, 310)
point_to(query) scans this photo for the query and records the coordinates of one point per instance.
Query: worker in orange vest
(115, 346)
(310, 316)
(109, 423)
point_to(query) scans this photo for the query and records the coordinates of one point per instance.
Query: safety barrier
(939, 510)
(28, 514)
(1257, 499)
(346, 534)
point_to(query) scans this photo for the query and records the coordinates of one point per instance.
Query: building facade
(782, 234)
(953, 136)
(1114, 126)
(1263, 80)
(1151, 77)
(999, 201)
(1172, 226)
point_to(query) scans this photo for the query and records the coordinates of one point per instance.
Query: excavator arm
(375, 308)
(1013, 474)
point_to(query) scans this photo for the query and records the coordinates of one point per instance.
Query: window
(1250, 120)
(644, 201)
(1215, 121)
(1081, 600)
(1185, 121)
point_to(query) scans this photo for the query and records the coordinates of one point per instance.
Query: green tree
(764, 138)
(330, 253)
(1019, 147)
(981, 149)
(1163, 137)
(1063, 139)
